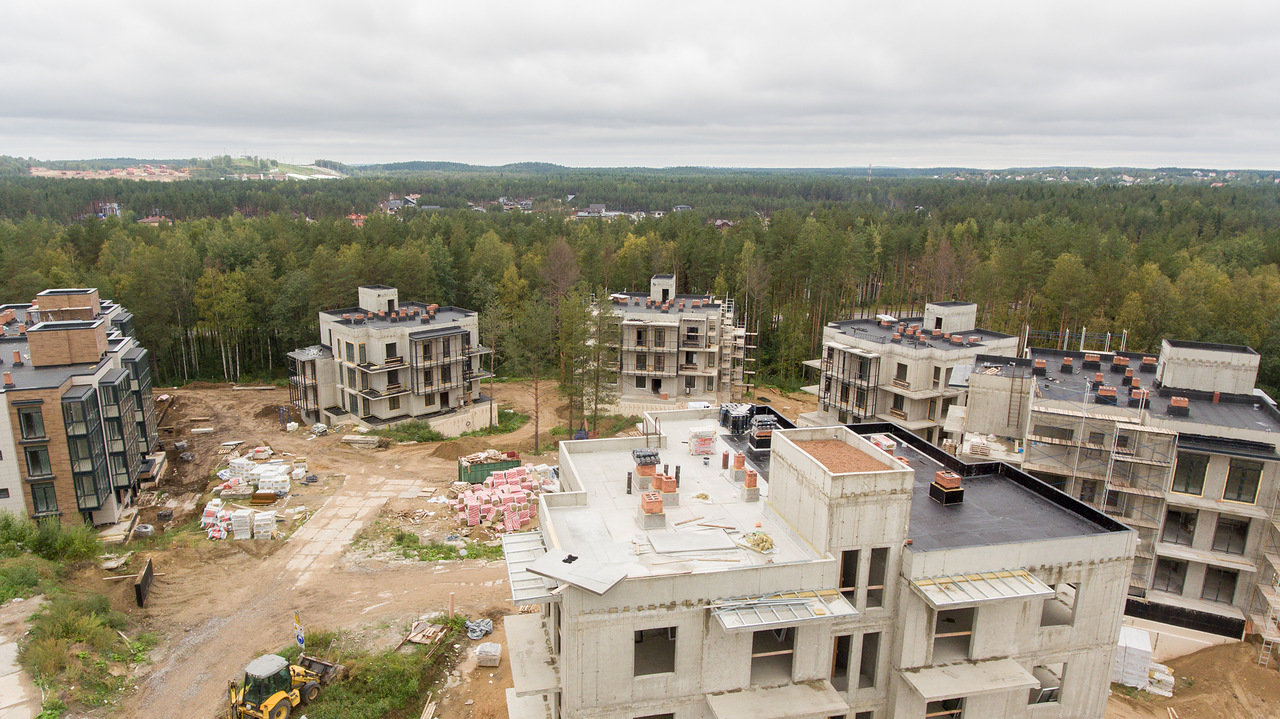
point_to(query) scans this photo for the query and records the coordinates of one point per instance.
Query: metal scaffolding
(849, 383)
(1113, 463)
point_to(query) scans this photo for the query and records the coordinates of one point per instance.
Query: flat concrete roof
(642, 309)
(996, 509)
(444, 314)
(29, 377)
(871, 331)
(1231, 412)
(604, 528)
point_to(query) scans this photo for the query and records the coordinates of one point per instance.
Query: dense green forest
(246, 265)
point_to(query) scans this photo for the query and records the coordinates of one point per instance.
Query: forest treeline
(1190, 262)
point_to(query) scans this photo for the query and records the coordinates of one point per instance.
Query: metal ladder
(1270, 637)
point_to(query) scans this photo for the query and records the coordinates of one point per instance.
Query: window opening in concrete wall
(772, 651)
(900, 373)
(945, 709)
(655, 651)
(1230, 535)
(864, 715)
(1096, 438)
(937, 376)
(1050, 678)
(640, 338)
(952, 632)
(1179, 527)
(870, 657)
(1060, 609)
(849, 573)
(1170, 575)
(1188, 473)
(1242, 481)
(876, 575)
(1051, 432)
(639, 382)
(668, 715)
(1219, 585)
(933, 409)
(391, 351)
(840, 662)
(393, 404)
(364, 354)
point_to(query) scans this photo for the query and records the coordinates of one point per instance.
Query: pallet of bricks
(509, 491)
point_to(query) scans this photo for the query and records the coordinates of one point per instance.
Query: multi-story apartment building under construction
(1178, 445)
(853, 572)
(680, 347)
(386, 361)
(900, 369)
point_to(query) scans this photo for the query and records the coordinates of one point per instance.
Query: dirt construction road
(222, 603)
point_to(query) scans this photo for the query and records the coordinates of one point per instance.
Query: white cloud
(744, 83)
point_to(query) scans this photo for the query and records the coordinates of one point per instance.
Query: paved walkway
(19, 698)
(330, 530)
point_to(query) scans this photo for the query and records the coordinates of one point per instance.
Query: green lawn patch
(384, 684)
(410, 432)
(509, 421)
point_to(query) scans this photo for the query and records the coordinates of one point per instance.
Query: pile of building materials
(1131, 664)
(220, 522)
(363, 441)
(475, 468)
(243, 476)
(242, 524)
(702, 441)
(264, 525)
(509, 491)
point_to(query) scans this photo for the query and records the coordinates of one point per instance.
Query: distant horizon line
(871, 167)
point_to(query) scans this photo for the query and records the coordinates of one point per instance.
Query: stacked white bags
(1132, 663)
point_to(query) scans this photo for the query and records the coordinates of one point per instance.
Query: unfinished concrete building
(1178, 445)
(827, 579)
(385, 361)
(78, 420)
(900, 370)
(680, 347)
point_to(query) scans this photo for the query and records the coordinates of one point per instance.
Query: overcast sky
(780, 84)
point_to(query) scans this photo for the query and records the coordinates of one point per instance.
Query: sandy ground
(219, 604)
(1222, 682)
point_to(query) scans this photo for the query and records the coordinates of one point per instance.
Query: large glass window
(42, 497)
(38, 462)
(1179, 527)
(31, 422)
(1188, 474)
(1230, 535)
(1242, 481)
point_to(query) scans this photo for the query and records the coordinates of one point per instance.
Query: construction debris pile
(505, 495)
(220, 522)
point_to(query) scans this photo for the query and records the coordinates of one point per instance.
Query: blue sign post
(298, 633)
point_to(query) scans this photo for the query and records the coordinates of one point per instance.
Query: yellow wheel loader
(273, 687)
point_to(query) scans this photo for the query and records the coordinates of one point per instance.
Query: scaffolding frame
(1113, 463)
(843, 366)
(304, 389)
